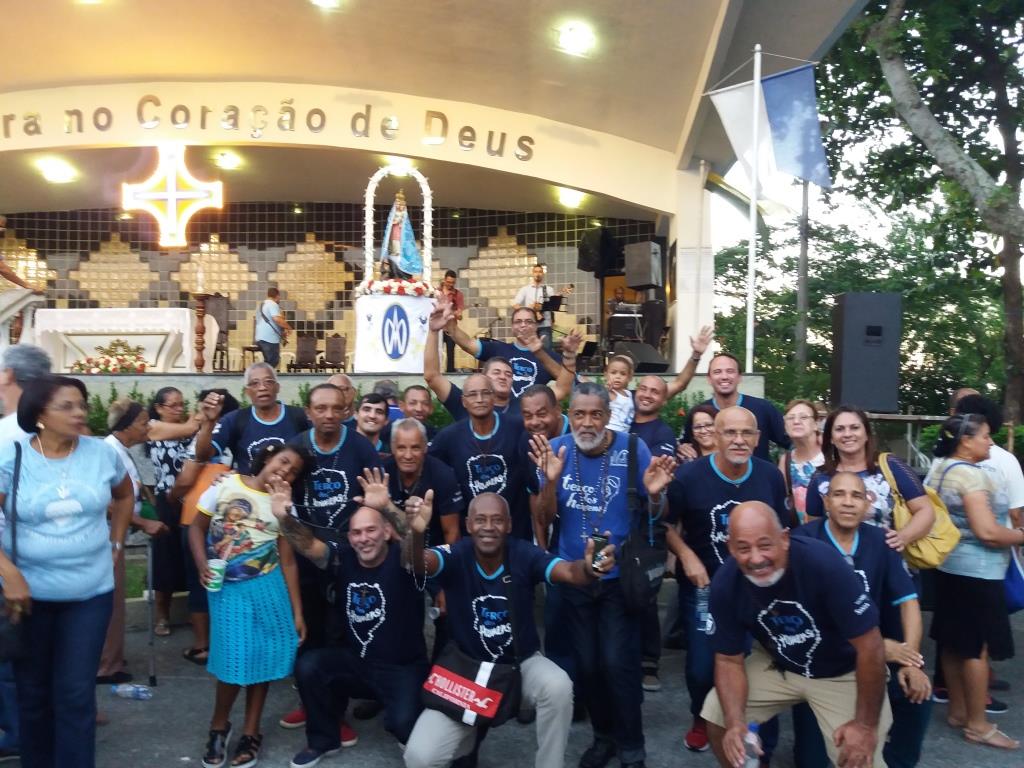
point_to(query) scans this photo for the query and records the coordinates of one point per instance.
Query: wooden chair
(305, 354)
(252, 348)
(217, 308)
(334, 354)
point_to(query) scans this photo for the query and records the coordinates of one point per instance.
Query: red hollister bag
(477, 692)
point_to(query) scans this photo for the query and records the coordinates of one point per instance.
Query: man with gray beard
(701, 498)
(816, 640)
(584, 480)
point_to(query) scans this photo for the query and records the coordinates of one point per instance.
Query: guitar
(566, 290)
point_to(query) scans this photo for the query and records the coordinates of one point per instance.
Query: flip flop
(196, 655)
(162, 628)
(985, 739)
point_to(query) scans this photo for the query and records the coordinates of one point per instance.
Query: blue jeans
(9, 709)
(906, 737)
(271, 353)
(700, 664)
(57, 683)
(328, 677)
(606, 643)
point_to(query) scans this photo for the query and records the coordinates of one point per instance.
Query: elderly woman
(799, 464)
(128, 423)
(62, 582)
(849, 446)
(971, 623)
(169, 435)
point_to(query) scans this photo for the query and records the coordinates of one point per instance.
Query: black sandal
(194, 654)
(217, 748)
(247, 753)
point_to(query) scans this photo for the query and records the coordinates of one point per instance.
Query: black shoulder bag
(642, 555)
(477, 693)
(13, 637)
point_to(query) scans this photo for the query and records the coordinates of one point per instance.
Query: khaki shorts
(833, 700)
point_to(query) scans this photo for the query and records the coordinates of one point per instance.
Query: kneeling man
(817, 640)
(480, 575)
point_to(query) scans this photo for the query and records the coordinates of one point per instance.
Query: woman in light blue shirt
(971, 623)
(63, 580)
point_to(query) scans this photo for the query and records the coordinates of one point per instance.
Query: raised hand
(572, 341)
(533, 343)
(659, 474)
(211, 407)
(280, 496)
(374, 483)
(547, 461)
(442, 314)
(704, 337)
(419, 511)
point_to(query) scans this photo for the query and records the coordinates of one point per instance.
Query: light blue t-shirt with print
(63, 538)
(265, 315)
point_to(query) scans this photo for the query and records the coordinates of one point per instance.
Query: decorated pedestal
(391, 332)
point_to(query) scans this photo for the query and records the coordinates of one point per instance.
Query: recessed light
(227, 160)
(400, 166)
(595, 223)
(576, 38)
(327, 5)
(570, 198)
(124, 216)
(56, 170)
(297, 210)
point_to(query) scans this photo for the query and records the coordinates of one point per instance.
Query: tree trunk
(1013, 339)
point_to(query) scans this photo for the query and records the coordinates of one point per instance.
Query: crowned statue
(399, 256)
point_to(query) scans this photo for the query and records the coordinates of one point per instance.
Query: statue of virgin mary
(399, 251)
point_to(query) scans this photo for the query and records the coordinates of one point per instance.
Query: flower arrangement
(117, 358)
(399, 288)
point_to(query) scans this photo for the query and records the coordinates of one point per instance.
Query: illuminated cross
(172, 195)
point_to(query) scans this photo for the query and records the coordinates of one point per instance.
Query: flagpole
(752, 246)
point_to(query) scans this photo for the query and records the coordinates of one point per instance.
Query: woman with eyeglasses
(971, 624)
(800, 463)
(61, 583)
(700, 426)
(848, 445)
(170, 431)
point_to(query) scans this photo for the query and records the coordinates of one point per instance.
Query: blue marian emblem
(367, 611)
(491, 622)
(394, 332)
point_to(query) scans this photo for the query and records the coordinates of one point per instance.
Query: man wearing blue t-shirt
(378, 598)
(724, 377)
(490, 580)
(816, 641)
(247, 430)
(585, 482)
(701, 498)
(482, 452)
(888, 582)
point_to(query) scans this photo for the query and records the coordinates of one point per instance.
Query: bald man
(816, 641)
(348, 393)
(701, 498)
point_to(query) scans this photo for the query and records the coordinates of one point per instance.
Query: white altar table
(165, 334)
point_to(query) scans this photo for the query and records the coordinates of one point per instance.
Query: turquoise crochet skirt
(252, 631)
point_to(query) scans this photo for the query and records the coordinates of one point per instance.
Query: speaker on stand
(866, 332)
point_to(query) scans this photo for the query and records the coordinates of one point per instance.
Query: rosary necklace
(587, 528)
(62, 487)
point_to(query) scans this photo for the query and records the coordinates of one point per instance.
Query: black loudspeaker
(647, 358)
(624, 326)
(654, 316)
(866, 331)
(643, 265)
(599, 252)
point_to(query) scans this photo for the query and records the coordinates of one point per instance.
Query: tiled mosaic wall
(311, 251)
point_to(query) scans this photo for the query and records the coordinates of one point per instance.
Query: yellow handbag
(929, 551)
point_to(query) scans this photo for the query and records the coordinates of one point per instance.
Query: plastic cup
(217, 568)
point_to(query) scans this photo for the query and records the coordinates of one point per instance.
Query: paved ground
(170, 729)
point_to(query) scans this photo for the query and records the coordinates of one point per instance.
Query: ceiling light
(124, 216)
(297, 210)
(576, 38)
(227, 160)
(399, 166)
(595, 223)
(327, 5)
(56, 170)
(570, 198)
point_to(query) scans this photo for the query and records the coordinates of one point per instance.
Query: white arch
(369, 255)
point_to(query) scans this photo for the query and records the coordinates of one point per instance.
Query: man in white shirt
(533, 296)
(271, 328)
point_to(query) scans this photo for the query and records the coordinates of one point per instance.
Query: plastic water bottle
(132, 691)
(752, 743)
(703, 608)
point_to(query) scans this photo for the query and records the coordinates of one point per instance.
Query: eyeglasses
(794, 419)
(175, 406)
(524, 322)
(261, 383)
(478, 394)
(703, 427)
(746, 434)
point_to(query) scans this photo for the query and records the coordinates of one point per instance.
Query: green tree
(925, 103)
(950, 317)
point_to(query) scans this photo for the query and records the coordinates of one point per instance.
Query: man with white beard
(584, 480)
(816, 640)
